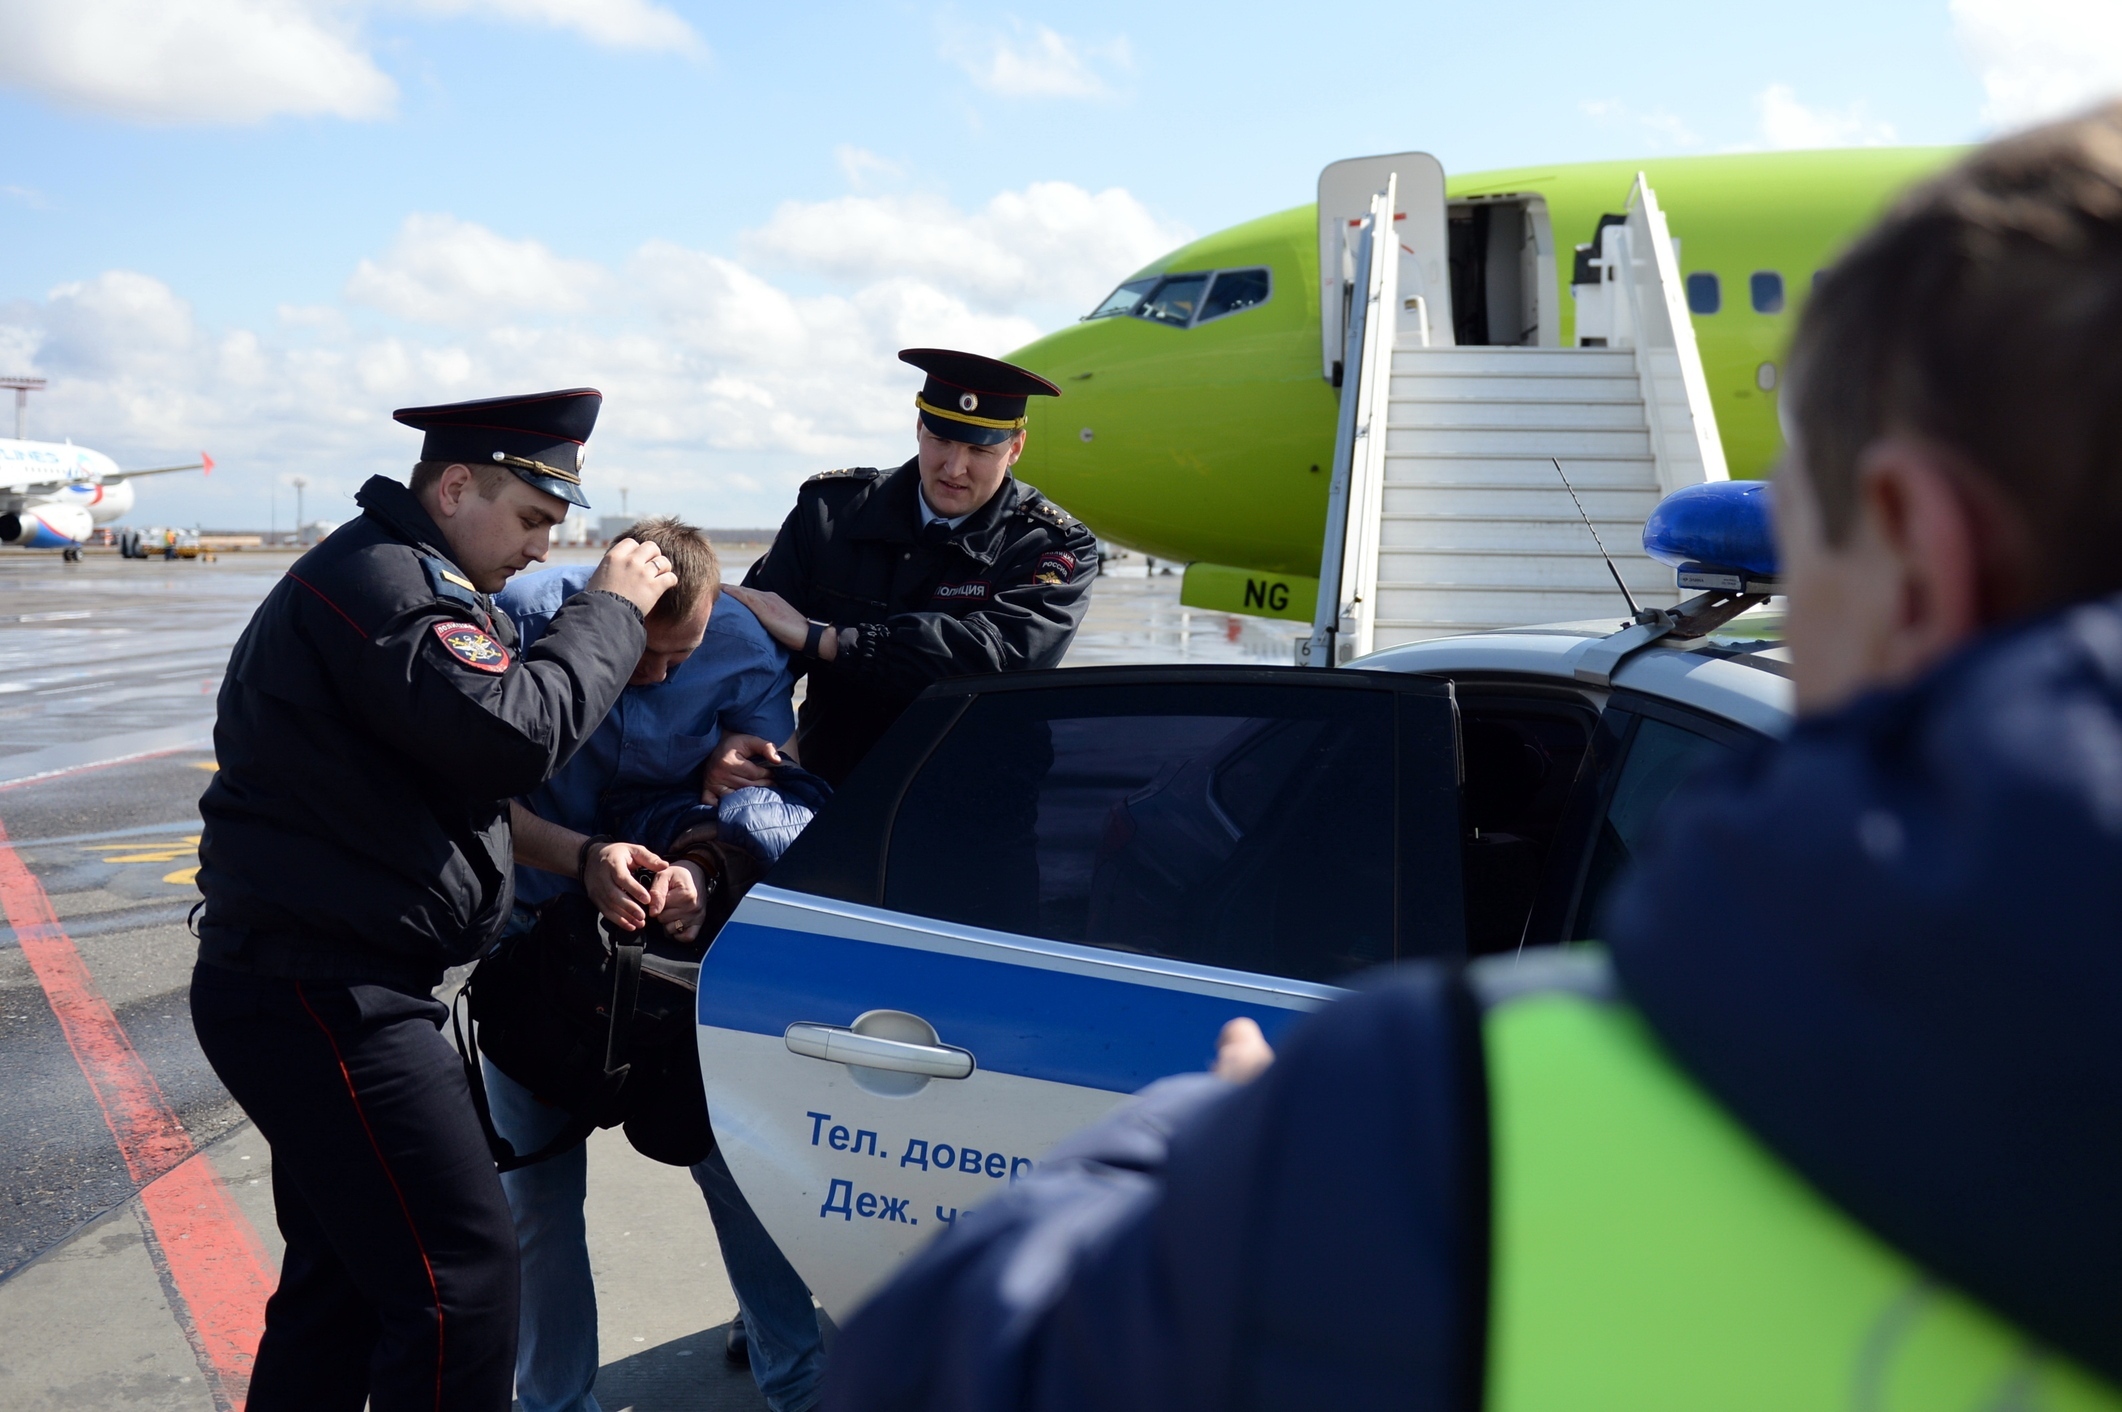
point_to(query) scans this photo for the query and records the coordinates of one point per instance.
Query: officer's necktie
(935, 534)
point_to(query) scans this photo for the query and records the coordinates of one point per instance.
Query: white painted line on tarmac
(54, 760)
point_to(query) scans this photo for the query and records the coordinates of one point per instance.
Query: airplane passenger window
(1124, 300)
(1704, 294)
(1174, 301)
(1767, 289)
(1243, 826)
(1233, 292)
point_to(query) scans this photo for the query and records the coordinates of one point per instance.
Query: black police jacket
(1006, 592)
(374, 722)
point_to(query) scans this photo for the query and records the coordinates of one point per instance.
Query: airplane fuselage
(1211, 440)
(53, 494)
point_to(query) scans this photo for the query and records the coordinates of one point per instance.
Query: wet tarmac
(108, 672)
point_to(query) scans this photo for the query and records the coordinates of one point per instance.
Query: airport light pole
(23, 386)
(300, 483)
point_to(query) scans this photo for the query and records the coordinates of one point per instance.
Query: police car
(1043, 891)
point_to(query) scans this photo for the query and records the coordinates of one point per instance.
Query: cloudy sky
(256, 226)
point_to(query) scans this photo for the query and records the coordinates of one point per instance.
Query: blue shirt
(660, 735)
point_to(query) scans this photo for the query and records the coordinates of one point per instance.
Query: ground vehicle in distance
(1043, 891)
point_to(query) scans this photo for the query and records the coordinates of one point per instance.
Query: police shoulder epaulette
(1047, 511)
(448, 584)
(845, 473)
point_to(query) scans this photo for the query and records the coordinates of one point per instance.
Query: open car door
(1040, 893)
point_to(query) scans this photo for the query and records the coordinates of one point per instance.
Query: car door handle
(841, 1045)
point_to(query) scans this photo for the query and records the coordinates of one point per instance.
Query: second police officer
(375, 720)
(886, 581)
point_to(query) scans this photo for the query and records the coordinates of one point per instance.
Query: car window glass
(1242, 826)
(1521, 761)
(1234, 291)
(1175, 300)
(1660, 758)
(1123, 300)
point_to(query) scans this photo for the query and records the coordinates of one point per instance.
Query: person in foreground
(1830, 1122)
(376, 719)
(710, 684)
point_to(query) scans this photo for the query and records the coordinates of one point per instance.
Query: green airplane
(1197, 419)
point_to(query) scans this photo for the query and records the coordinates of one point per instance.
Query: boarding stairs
(1447, 513)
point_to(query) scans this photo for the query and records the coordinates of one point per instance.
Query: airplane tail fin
(206, 464)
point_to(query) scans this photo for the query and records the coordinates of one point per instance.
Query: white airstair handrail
(1683, 423)
(1342, 619)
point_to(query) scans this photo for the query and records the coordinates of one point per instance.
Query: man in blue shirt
(711, 690)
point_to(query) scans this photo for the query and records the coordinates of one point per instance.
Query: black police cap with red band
(539, 436)
(971, 398)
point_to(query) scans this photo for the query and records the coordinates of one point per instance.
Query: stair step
(1517, 441)
(1535, 507)
(1523, 362)
(1509, 387)
(1402, 414)
(1497, 573)
(1522, 472)
(1447, 535)
(1496, 608)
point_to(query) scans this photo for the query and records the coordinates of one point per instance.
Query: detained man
(1833, 1119)
(710, 687)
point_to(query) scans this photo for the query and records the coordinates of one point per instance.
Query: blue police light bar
(1716, 535)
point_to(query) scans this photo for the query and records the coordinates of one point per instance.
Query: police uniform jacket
(375, 720)
(1005, 592)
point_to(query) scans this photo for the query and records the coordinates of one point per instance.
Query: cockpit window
(1174, 301)
(1233, 292)
(1124, 300)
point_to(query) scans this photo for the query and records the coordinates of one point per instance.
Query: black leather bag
(595, 1021)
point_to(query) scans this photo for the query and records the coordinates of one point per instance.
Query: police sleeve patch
(1054, 568)
(472, 647)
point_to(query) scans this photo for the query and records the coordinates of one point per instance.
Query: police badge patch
(472, 647)
(1054, 568)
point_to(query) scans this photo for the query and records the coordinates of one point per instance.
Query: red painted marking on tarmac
(216, 1261)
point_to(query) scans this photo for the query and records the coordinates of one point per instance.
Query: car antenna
(1634, 612)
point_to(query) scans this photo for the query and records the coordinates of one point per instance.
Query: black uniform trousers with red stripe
(398, 1290)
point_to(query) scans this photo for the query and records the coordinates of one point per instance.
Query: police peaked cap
(540, 436)
(971, 398)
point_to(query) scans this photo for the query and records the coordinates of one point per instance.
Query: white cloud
(723, 387)
(28, 196)
(861, 166)
(1663, 129)
(1787, 123)
(2041, 58)
(1052, 243)
(445, 271)
(615, 24)
(224, 61)
(1037, 64)
(242, 61)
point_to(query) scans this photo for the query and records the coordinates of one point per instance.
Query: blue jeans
(556, 1350)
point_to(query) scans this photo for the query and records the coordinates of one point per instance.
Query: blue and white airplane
(53, 494)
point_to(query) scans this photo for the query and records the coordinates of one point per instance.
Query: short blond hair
(692, 559)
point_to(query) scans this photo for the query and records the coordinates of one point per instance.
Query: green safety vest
(1651, 1255)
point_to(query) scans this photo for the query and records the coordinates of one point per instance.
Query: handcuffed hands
(608, 878)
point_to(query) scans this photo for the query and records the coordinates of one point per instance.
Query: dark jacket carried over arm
(1006, 593)
(374, 721)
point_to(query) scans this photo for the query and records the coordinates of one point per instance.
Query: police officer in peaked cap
(374, 722)
(885, 581)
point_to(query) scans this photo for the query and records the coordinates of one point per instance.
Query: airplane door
(1041, 893)
(1345, 192)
